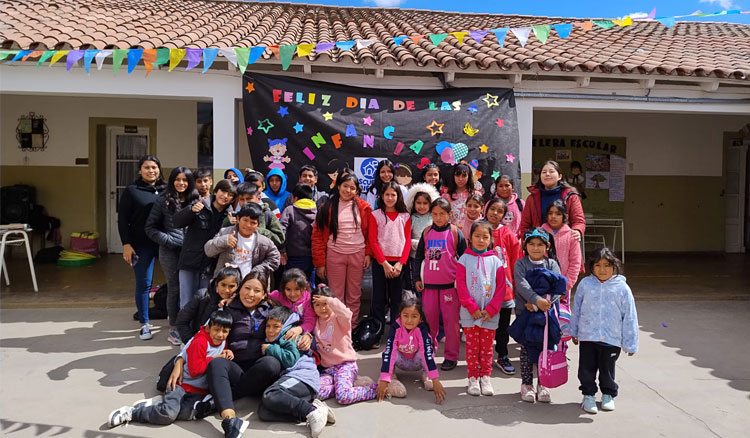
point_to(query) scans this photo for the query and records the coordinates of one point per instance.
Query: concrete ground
(63, 370)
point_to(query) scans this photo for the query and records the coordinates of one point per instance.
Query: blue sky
(564, 8)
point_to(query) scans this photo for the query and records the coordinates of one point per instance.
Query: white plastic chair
(23, 238)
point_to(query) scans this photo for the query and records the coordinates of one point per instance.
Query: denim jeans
(144, 273)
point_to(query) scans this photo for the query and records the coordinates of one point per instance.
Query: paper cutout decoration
(286, 53)
(435, 128)
(460, 37)
(388, 132)
(483, 149)
(73, 57)
(522, 33)
(398, 40)
(451, 153)
(399, 148)
(416, 38)
(472, 108)
(437, 38)
(604, 24)
(361, 44)
(423, 162)
(100, 57)
(249, 130)
(323, 47)
(327, 116)
(308, 153)
(478, 35)
(88, 56)
(345, 45)
(134, 55)
(265, 125)
(283, 111)
(468, 130)
(563, 30)
(304, 49)
(500, 35)
(510, 158)
(417, 146)
(666, 21)
(209, 56)
(500, 123)
(277, 149)
(542, 32)
(368, 121)
(495, 174)
(243, 55)
(298, 127)
(250, 87)
(586, 25)
(491, 100)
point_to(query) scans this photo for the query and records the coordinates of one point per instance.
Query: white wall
(68, 123)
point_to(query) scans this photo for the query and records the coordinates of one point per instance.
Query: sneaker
(543, 394)
(473, 388)
(363, 381)
(145, 334)
(317, 420)
(448, 365)
(396, 389)
(528, 394)
(503, 364)
(121, 416)
(331, 416)
(589, 404)
(428, 386)
(608, 402)
(174, 337)
(485, 384)
(203, 408)
(234, 427)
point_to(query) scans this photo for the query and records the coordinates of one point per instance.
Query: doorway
(735, 194)
(125, 146)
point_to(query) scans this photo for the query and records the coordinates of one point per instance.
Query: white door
(734, 196)
(124, 149)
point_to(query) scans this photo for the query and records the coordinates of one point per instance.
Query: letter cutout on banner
(388, 132)
(336, 138)
(417, 146)
(369, 141)
(351, 131)
(318, 140)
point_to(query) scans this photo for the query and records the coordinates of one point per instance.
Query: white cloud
(634, 15)
(386, 3)
(726, 5)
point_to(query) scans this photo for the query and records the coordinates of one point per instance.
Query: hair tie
(322, 285)
(231, 265)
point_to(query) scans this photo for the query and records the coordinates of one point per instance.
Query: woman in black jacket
(180, 192)
(137, 249)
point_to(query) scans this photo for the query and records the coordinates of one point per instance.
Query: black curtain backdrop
(291, 122)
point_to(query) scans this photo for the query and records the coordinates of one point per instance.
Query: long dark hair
(560, 206)
(411, 300)
(562, 181)
(225, 272)
(551, 252)
(459, 169)
(172, 198)
(400, 205)
(425, 169)
(159, 184)
(328, 216)
(377, 184)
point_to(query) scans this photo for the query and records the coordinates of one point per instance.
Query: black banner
(291, 122)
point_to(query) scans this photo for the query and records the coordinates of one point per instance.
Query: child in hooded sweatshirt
(294, 293)
(235, 175)
(480, 280)
(188, 400)
(504, 191)
(333, 337)
(418, 201)
(297, 222)
(292, 397)
(276, 186)
(567, 248)
(473, 212)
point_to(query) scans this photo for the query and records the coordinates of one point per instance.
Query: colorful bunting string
(241, 57)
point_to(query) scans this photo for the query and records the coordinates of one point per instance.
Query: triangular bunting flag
(416, 38)
(100, 57)
(652, 14)
(287, 53)
(666, 21)
(460, 37)
(175, 56)
(604, 24)
(361, 44)
(478, 35)
(542, 32)
(118, 56)
(627, 21)
(345, 45)
(437, 38)
(398, 40)
(228, 53)
(209, 55)
(522, 33)
(149, 57)
(73, 57)
(88, 56)
(34, 54)
(324, 47)
(585, 25)
(733, 11)
(255, 54)
(6, 53)
(162, 56)
(275, 51)
(134, 56)
(45, 56)
(563, 30)
(500, 35)
(243, 53)
(304, 49)
(19, 55)
(56, 57)
(194, 57)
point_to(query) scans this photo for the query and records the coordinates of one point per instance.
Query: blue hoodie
(236, 172)
(280, 197)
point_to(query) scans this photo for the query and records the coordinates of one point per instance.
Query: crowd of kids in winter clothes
(265, 285)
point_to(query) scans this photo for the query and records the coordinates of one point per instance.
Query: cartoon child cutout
(577, 179)
(403, 174)
(277, 148)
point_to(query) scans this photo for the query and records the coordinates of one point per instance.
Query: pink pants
(479, 351)
(445, 301)
(344, 272)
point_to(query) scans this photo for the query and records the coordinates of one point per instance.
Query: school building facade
(680, 97)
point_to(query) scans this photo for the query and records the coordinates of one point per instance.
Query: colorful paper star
(265, 125)
(249, 130)
(283, 111)
(368, 121)
(510, 158)
(327, 116)
(491, 100)
(250, 87)
(495, 174)
(435, 128)
(472, 108)
(298, 127)
(483, 149)
(500, 123)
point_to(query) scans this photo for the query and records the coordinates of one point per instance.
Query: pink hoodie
(334, 335)
(568, 251)
(513, 215)
(408, 344)
(302, 307)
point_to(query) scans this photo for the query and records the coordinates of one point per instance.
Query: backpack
(519, 203)
(367, 333)
(454, 231)
(159, 308)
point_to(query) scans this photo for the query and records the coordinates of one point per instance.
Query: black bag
(166, 371)
(48, 255)
(367, 334)
(159, 308)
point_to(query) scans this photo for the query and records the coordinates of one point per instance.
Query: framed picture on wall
(562, 155)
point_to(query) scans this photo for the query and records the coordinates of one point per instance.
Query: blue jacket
(280, 197)
(605, 312)
(295, 364)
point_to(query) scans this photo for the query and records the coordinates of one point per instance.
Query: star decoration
(510, 158)
(368, 121)
(472, 108)
(491, 100)
(483, 149)
(250, 87)
(435, 128)
(327, 116)
(265, 125)
(283, 111)
(500, 123)
(298, 127)
(495, 174)
(249, 130)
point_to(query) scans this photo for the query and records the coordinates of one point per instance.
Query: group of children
(466, 258)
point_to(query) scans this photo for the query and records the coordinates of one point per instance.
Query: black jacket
(134, 208)
(160, 225)
(195, 314)
(201, 227)
(248, 332)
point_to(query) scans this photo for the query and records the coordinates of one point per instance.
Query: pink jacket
(334, 335)
(302, 307)
(513, 215)
(568, 254)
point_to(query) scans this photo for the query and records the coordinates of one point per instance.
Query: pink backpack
(553, 365)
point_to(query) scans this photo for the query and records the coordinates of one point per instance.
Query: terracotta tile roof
(688, 49)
